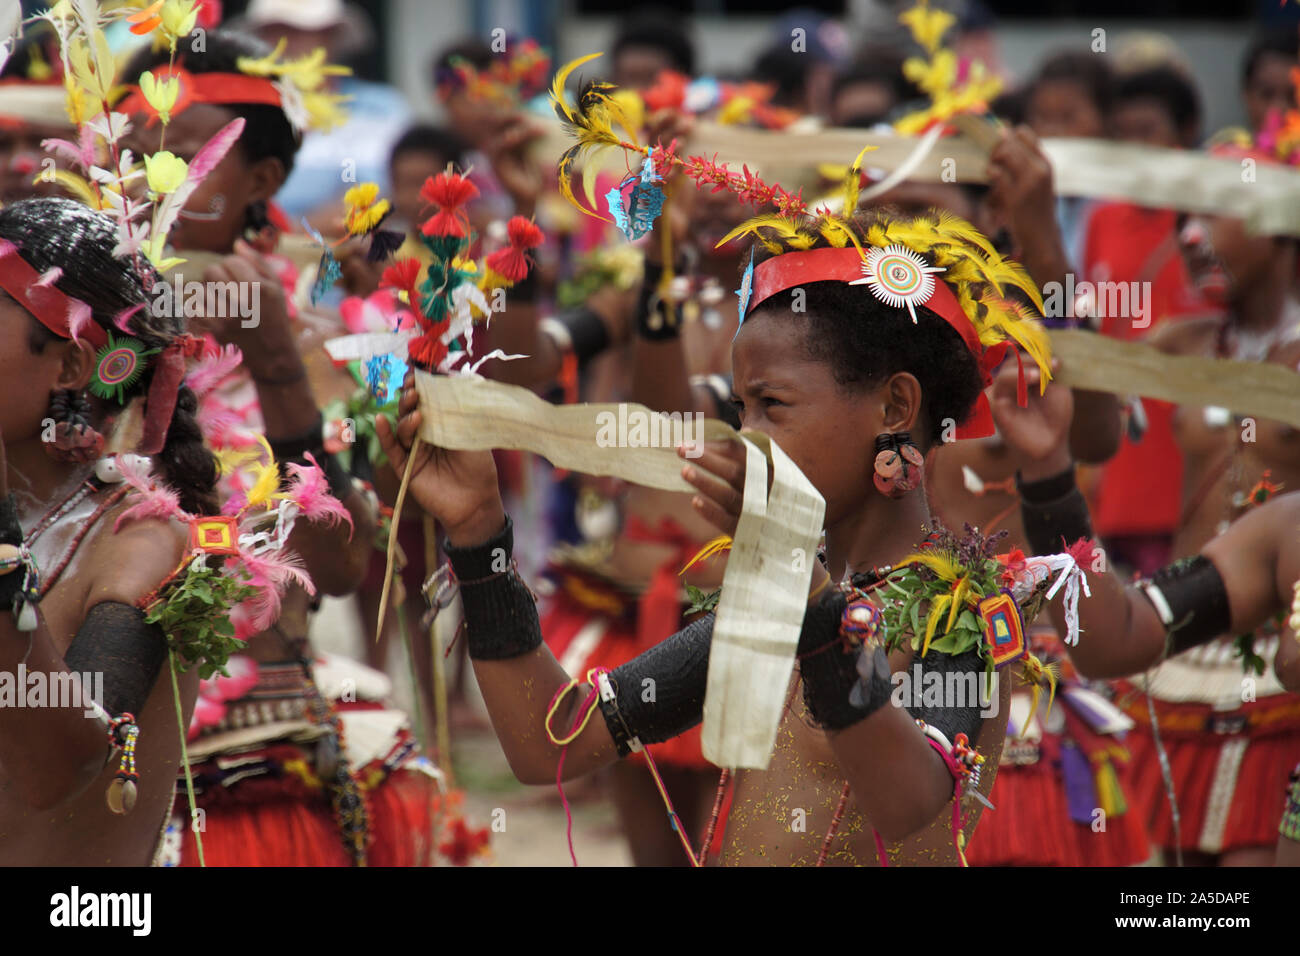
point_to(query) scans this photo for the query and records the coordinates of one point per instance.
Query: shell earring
(898, 464)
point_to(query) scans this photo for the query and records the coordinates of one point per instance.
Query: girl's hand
(266, 338)
(1040, 433)
(719, 475)
(458, 488)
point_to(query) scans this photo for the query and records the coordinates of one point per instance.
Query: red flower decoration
(669, 92)
(512, 262)
(1083, 551)
(428, 351)
(447, 191)
(403, 275)
(1014, 563)
(464, 843)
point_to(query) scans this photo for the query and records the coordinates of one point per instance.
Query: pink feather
(49, 277)
(155, 500)
(210, 372)
(79, 316)
(120, 320)
(280, 568)
(309, 490)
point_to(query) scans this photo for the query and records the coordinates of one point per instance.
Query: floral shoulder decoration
(229, 583)
(956, 594)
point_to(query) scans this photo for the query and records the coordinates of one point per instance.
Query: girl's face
(214, 216)
(827, 431)
(1064, 108)
(31, 377)
(1222, 257)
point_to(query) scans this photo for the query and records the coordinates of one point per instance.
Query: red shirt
(1140, 491)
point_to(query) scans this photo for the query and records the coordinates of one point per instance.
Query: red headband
(63, 315)
(215, 88)
(846, 265)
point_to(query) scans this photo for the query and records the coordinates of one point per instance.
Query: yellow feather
(562, 77)
(853, 184)
(937, 607)
(938, 563)
(719, 544)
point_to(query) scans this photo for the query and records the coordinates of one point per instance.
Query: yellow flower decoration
(161, 95)
(165, 171)
(178, 19)
(927, 26)
(364, 213)
(307, 73)
(937, 75)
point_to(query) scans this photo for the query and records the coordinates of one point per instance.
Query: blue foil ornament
(637, 201)
(384, 374)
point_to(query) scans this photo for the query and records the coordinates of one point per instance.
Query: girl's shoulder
(128, 563)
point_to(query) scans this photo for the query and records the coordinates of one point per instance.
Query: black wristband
(587, 334)
(659, 694)
(839, 688)
(1054, 513)
(295, 446)
(657, 320)
(1192, 602)
(500, 614)
(11, 531)
(340, 481)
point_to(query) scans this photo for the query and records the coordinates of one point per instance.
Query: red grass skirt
(284, 821)
(618, 644)
(1249, 806)
(1032, 826)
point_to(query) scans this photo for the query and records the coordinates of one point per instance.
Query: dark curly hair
(59, 232)
(864, 341)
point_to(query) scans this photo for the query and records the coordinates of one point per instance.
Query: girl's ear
(901, 411)
(266, 176)
(78, 365)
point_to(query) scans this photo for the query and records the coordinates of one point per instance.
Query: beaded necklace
(87, 487)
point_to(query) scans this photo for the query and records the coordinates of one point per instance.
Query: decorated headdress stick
(446, 301)
(938, 261)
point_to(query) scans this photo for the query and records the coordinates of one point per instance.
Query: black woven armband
(657, 320)
(115, 641)
(962, 679)
(500, 613)
(1191, 601)
(659, 694)
(1054, 513)
(839, 688)
(580, 329)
